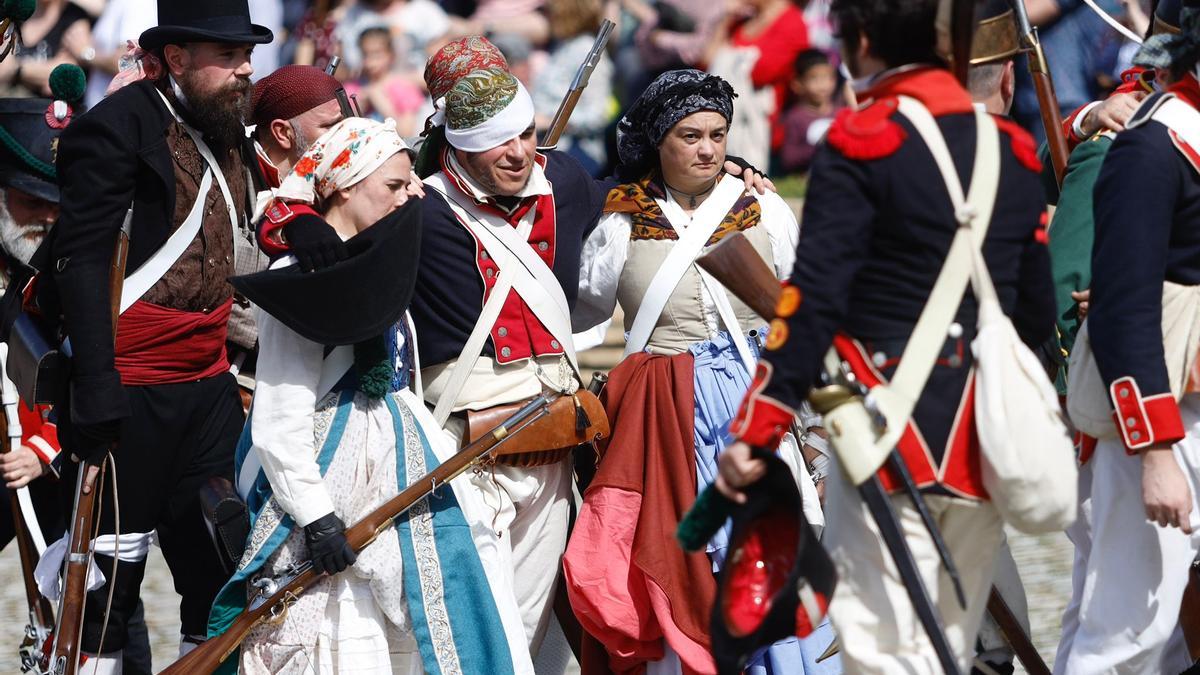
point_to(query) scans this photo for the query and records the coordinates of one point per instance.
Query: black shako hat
(29, 129)
(182, 21)
(777, 580)
(1165, 18)
(354, 300)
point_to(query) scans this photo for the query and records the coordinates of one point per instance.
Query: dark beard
(214, 114)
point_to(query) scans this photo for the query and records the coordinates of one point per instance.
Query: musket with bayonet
(1043, 83)
(272, 596)
(559, 123)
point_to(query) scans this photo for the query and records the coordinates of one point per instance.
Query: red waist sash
(160, 345)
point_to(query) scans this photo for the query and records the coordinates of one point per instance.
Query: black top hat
(181, 21)
(354, 300)
(29, 129)
(777, 580)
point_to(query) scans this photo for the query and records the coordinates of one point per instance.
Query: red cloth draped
(160, 345)
(629, 583)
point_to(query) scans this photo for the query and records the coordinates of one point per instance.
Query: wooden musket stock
(274, 598)
(735, 263)
(68, 632)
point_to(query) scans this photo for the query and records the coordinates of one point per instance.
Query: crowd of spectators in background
(780, 56)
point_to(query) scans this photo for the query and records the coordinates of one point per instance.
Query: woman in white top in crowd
(335, 432)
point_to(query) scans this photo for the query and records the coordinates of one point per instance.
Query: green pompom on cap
(18, 10)
(67, 82)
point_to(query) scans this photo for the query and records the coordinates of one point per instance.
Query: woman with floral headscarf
(335, 432)
(691, 348)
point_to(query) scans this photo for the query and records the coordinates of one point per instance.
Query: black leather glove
(745, 166)
(326, 539)
(314, 243)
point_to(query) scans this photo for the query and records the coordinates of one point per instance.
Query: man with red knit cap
(293, 107)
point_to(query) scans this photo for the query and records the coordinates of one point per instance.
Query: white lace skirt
(356, 621)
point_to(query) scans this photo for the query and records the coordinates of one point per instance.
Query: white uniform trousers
(1129, 574)
(874, 618)
(528, 510)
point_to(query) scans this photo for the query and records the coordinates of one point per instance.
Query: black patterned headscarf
(670, 98)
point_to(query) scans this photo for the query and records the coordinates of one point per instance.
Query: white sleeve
(285, 396)
(783, 230)
(600, 265)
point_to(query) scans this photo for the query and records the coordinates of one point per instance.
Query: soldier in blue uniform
(878, 224)
(1141, 331)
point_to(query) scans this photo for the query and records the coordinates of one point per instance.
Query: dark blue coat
(1147, 206)
(875, 231)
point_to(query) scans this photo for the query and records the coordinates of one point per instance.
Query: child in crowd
(814, 81)
(382, 91)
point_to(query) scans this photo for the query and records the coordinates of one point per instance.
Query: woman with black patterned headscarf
(691, 347)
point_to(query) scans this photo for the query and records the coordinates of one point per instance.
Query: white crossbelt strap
(520, 270)
(974, 213)
(682, 256)
(153, 269)
(1181, 118)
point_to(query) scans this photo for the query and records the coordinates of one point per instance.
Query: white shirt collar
(537, 184)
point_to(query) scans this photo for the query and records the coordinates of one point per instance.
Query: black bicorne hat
(356, 299)
(777, 580)
(182, 21)
(29, 129)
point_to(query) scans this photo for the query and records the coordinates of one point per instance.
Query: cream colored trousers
(871, 611)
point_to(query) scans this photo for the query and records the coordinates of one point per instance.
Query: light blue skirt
(720, 381)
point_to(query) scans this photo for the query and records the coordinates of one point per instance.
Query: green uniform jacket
(1071, 233)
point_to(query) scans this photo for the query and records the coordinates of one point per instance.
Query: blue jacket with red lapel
(877, 225)
(455, 271)
(1147, 204)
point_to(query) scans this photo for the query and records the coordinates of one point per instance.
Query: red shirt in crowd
(778, 45)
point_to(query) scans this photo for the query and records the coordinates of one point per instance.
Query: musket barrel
(559, 123)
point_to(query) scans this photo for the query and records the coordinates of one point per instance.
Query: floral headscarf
(341, 157)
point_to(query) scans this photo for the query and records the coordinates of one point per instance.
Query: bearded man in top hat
(165, 155)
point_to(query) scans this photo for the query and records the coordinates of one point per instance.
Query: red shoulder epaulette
(1023, 146)
(869, 133)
